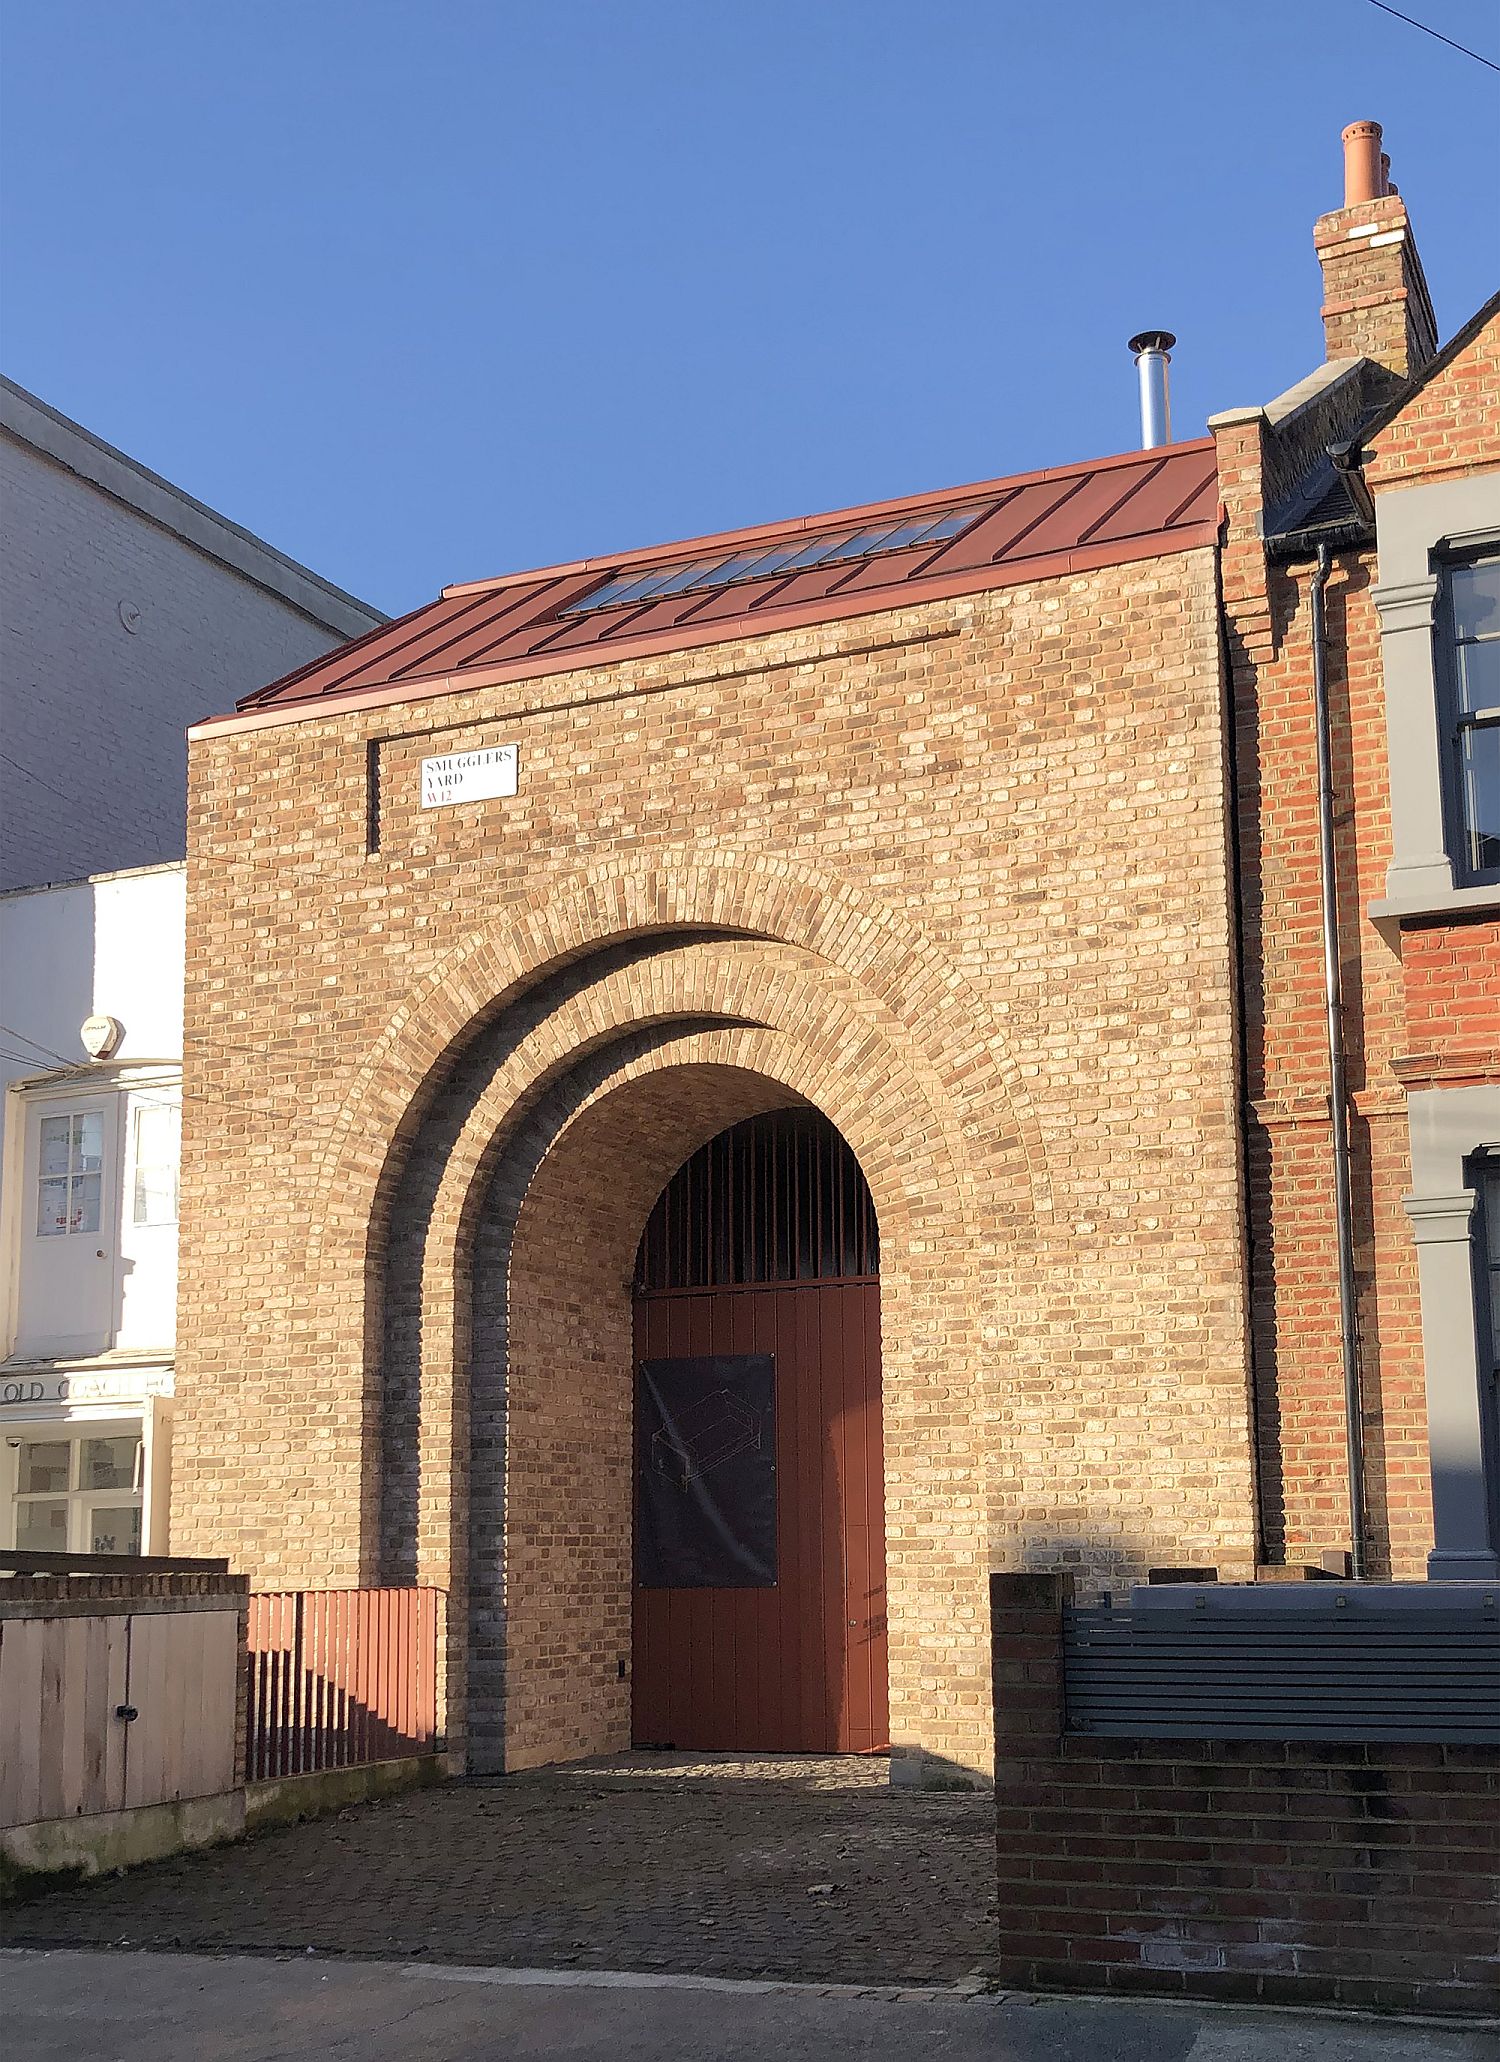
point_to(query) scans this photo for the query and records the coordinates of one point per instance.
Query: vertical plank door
(800, 1666)
(182, 1686)
(62, 1749)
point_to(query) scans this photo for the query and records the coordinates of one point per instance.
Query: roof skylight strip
(800, 555)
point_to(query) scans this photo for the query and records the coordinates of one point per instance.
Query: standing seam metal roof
(1031, 526)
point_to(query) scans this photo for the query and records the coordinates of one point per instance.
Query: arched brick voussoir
(829, 1043)
(777, 1014)
(918, 1193)
(565, 917)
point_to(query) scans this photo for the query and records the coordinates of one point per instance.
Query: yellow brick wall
(957, 875)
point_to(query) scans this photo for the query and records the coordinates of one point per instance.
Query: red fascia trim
(765, 623)
(692, 547)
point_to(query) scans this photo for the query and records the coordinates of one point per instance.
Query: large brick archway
(954, 1040)
(502, 1274)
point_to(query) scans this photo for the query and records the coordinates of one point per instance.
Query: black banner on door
(706, 1472)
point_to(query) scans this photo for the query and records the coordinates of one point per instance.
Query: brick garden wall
(1291, 1873)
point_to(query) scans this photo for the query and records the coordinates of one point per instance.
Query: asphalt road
(68, 2006)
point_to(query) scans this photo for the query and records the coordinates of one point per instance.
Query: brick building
(1387, 463)
(806, 1049)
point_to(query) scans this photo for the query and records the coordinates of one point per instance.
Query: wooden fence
(340, 1678)
(117, 1690)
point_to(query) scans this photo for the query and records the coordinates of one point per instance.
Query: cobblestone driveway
(802, 1870)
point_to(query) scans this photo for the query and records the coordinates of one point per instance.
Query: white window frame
(81, 1501)
(116, 1090)
(30, 1253)
(155, 1104)
(72, 1176)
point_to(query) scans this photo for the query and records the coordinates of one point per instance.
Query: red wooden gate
(801, 1665)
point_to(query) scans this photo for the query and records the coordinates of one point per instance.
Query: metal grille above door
(776, 1199)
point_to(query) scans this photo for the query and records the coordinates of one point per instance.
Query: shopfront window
(78, 1495)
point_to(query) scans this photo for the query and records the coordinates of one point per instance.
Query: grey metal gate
(1315, 1661)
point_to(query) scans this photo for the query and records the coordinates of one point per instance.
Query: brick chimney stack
(1375, 299)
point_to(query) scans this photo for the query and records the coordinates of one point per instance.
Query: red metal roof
(1032, 526)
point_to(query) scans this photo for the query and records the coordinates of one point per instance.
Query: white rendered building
(88, 1209)
(127, 610)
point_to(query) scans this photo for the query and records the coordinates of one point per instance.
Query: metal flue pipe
(1153, 354)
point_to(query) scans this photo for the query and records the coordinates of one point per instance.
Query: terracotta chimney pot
(1375, 298)
(1364, 173)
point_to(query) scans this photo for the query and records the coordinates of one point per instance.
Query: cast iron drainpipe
(1337, 1082)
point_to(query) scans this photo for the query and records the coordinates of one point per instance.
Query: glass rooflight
(799, 555)
(675, 579)
(621, 588)
(857, 544)
(949, 525)
(740, 567)
(906, 533)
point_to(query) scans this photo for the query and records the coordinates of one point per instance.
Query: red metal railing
(340, 1678)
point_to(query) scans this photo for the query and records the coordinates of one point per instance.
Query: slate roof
(1028, 527)
(1321, 510)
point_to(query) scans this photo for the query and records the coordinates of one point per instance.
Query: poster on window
(706, 1472)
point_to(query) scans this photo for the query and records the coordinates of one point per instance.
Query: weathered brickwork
(1376, 303)
(1451, 427)
(956, 874)
(1420, 1009)
(1452, 1001)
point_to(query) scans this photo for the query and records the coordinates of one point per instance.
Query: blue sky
(425, 292)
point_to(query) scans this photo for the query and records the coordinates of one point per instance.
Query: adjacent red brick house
(1407, 511)
(807, 1051)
